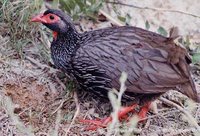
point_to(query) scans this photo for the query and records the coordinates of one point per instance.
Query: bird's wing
(141, 54)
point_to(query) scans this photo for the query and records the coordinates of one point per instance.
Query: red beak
(38, 18)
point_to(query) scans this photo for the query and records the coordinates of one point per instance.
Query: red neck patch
(55, 34)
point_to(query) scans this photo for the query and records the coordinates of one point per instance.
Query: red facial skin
(47, 19)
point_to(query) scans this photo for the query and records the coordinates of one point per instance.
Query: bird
(154, 63)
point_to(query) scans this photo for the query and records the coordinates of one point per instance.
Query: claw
(122, 114)
(143, 112)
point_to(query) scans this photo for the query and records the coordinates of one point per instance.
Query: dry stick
(191, 119)
(110, 18)
(43, 134)
(154, 9)
(107, 16)
(76, 113)
(42, 66)
(116, 103)
(60, 106)
(60, 82)
(9, 106)
(57, 123)
(173, 132)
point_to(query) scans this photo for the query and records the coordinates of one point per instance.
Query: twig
(57, 123)
(172, 131)
(40, 65)
(76, 113)
(43, 134)
(191, 119)
(108, 16)
(3, 117)
(154, 9)
(61, 104)
(9, 106)
(179, 131)
(116, 104)
(60, 82)
(154, 107)
(159, 115)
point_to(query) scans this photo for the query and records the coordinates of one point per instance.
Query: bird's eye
(51, 17)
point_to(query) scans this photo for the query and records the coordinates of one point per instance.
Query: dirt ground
(36, 99)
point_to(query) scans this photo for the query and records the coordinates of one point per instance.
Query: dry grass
(36, 99)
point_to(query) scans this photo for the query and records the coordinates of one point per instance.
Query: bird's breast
(61, 58)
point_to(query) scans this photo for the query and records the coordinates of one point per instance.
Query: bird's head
(56, 20)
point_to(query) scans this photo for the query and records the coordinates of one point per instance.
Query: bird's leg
(122, 114)
(143, 111)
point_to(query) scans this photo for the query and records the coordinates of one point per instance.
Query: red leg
(104, 122)
(143, 112)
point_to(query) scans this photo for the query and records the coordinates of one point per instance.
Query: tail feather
(190, 90)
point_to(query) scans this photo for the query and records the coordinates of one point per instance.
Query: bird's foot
(122, 114)
(143, 111)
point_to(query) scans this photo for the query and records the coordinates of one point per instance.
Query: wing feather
(143, 55)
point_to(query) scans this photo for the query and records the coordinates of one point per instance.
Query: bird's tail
(189, 89)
